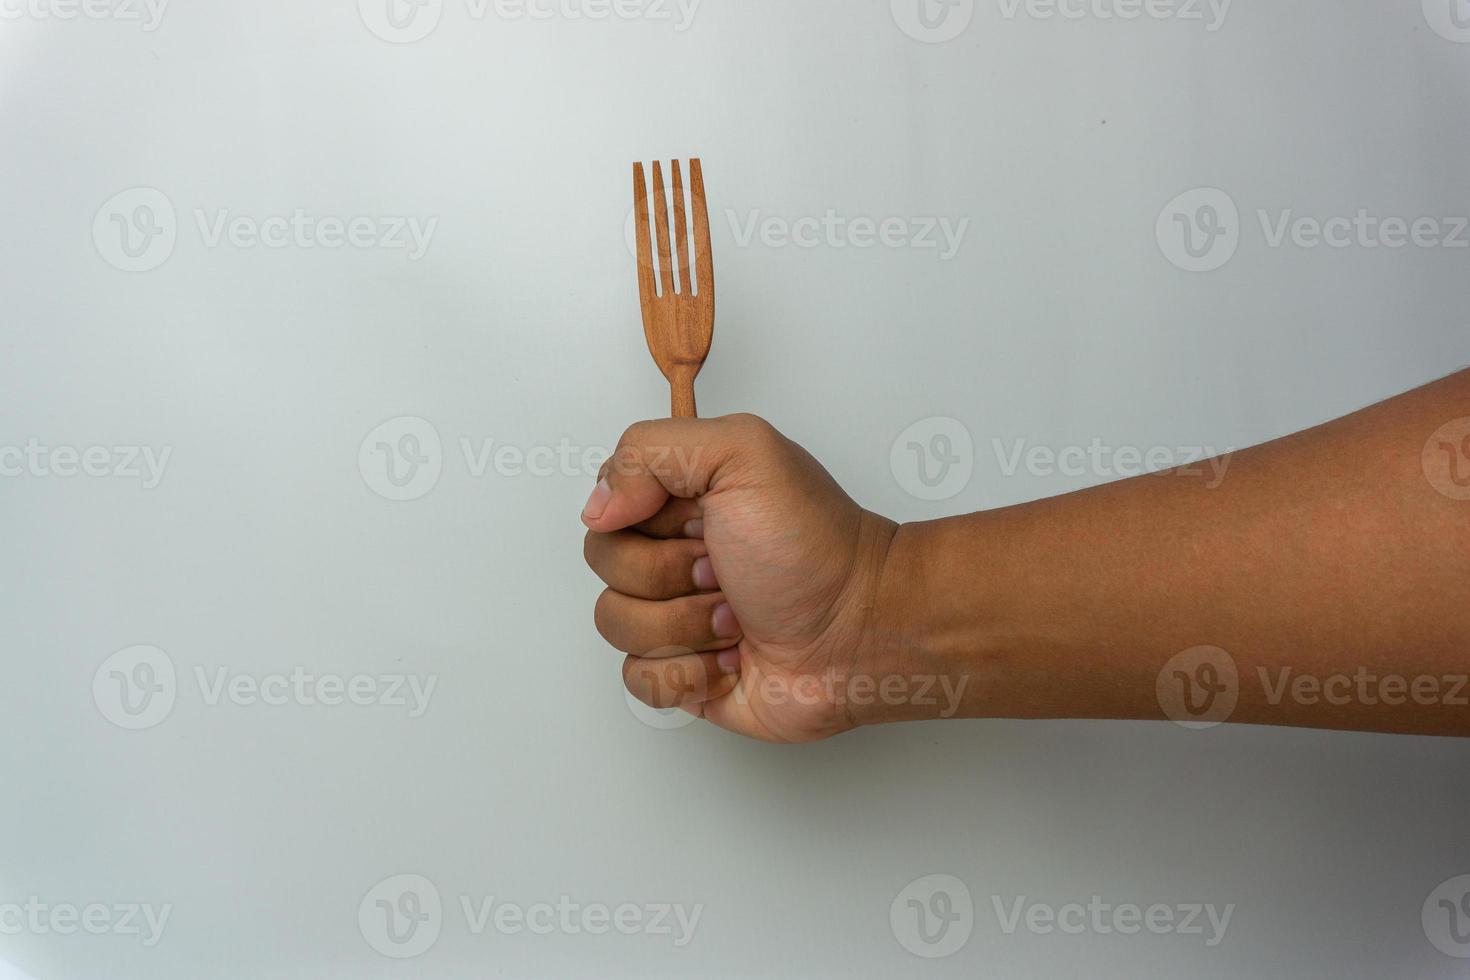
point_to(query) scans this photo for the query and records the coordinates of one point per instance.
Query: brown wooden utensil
(679, 318)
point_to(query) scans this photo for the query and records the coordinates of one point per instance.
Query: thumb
(658, 460)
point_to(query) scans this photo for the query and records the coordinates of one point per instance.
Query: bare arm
(1328, 567)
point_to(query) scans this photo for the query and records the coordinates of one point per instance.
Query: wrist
(910, 670)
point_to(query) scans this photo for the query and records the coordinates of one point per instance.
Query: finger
(670, 458)
(654, 629)
(686, 681)
(649, 568)
(672, 520)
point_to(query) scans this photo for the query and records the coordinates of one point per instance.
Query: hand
(741, 579)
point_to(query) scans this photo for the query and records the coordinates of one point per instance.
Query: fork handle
(681, 387)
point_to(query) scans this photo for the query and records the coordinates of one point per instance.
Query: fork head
(678, 299)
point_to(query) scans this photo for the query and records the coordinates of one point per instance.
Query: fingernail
(704, 574)
(597, 503)
(724, 622)
(694, 528)
(729, 662)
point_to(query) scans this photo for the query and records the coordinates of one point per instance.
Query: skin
(1321, 583)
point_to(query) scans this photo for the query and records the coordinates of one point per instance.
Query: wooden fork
(679, 320)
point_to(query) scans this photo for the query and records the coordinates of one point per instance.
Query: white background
(265, 547)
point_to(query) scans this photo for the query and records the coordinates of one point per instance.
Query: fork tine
(661, 222)
(704, 262)
(646, 288)
(681, 233)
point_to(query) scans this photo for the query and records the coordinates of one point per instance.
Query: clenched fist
(741, 579)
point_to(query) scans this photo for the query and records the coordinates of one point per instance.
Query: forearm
(1326, 565)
